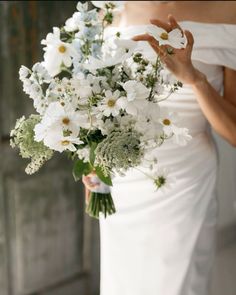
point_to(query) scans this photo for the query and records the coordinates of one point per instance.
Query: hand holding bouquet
(97, 100)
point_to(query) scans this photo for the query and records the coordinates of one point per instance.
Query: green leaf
(81, 168)
(102, 177)
(92, 152)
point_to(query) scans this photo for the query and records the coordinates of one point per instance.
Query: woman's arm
(219, 111)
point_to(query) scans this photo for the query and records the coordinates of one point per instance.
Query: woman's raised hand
(177, 61)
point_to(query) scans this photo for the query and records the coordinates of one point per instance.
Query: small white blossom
(123, 50)
(24, 72)
(181, 136)
(163, 180)
(170, 122)
(83, 154)
(110, 104)
(135, 100)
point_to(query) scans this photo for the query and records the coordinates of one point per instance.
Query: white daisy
(57, 53)
(170, 122)
(61, 143)
(109, 105)
(173, 38)
(66, 120)
(167, 119)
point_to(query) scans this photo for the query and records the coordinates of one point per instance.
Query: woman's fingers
(88, 183)
(190, 41)
(144, 37)
(161, 24)
(162, 51)
(87, 195)
(173, 23)
(151, 40)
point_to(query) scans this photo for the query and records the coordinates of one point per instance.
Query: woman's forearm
(220, 113)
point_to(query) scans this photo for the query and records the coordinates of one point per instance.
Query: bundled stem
(100, 203)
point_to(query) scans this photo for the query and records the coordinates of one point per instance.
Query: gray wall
(226, 185)
(48, 246)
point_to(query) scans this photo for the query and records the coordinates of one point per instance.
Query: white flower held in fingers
(110, 104)
(136, 97)
(57, 53)
(173, 38)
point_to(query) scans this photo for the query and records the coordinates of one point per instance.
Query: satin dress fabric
(163, 242)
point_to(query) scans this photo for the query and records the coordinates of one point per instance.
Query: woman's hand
(89, 185)
(179, 61)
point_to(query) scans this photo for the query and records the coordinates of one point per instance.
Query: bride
(163, 242)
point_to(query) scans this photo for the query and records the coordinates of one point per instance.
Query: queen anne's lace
(119, 151)
(23, 138)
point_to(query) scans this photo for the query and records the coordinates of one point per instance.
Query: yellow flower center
(62, 49)
(111, 103)
(65, 142)
(164, 36)
(66, 121)
(166, 122)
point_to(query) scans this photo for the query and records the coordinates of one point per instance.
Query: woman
(162, 243)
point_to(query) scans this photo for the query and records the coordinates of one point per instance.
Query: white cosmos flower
(73, 23)
(169, 122)
(135, 100)
(60, 143)
(173, 38)
(57, 53)
(163, 179)
(135, 90)
(64, 119)
(110, 104)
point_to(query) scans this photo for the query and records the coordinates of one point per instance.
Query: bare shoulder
(223, 11)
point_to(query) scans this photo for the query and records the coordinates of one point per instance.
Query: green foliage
(104, 178)
(81, 168)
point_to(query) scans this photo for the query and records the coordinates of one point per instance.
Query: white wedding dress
(163, 243)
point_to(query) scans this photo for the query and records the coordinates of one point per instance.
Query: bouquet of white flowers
(96, 99)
